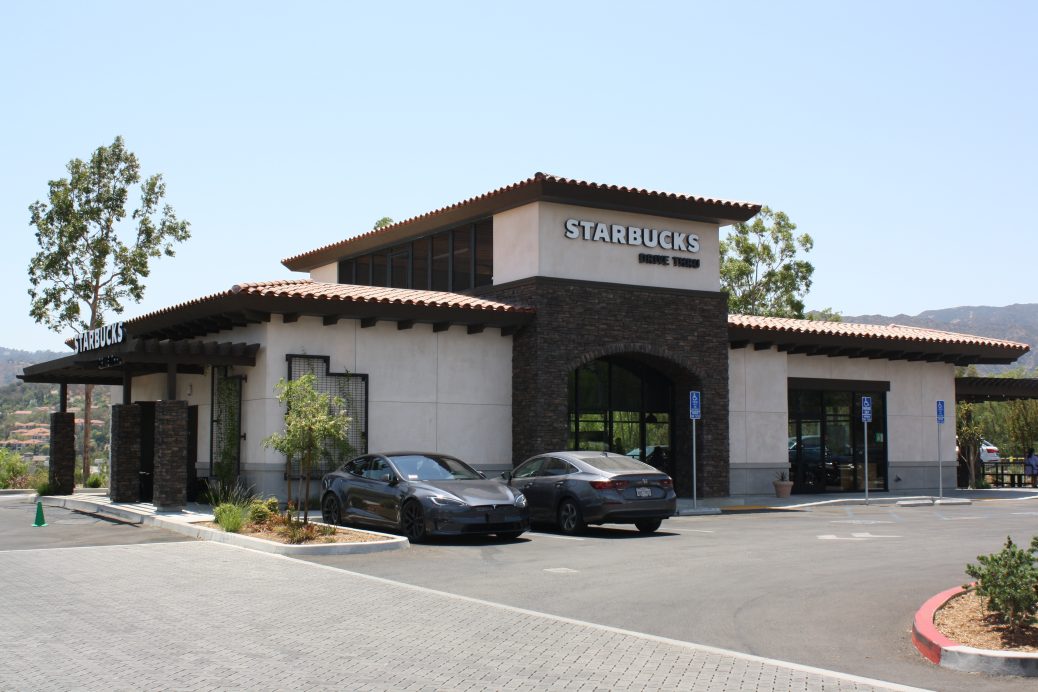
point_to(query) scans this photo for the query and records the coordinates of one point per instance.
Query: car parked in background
(988, 452)
(576, 488)
(422, 494)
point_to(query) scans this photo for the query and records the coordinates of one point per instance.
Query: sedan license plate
(643, 492)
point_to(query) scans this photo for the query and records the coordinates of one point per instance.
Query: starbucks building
(550, 314)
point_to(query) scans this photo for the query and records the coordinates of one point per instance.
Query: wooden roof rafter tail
(890, 342)
(136, 357)
(980, 389)
(540, 187)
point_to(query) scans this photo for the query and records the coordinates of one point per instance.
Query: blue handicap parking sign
(866, 409)
(695, 408)
(940, 411)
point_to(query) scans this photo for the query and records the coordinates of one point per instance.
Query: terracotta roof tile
(316, 290)
(305, 288)
(892, 332)
(740, 209)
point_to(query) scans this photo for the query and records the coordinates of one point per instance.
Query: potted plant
(783, 486)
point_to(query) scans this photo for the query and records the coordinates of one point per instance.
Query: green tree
(86, 267)
(315, 423)
(382, 223)
(760, 267)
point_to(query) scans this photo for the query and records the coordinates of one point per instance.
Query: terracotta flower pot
(783, 488)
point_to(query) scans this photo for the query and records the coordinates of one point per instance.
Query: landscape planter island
(190, 523)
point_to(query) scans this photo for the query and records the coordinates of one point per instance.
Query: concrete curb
(188, 526)
(946, 653)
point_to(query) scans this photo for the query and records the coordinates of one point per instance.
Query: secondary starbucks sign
(636, 236)
(108, 335)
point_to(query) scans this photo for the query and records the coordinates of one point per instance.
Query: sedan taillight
(609, 485)
(666, 483)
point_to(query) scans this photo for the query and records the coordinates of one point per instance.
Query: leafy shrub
(230, 517)
(12, 467)
(43, 488)
(1008, 580)
(95, 481)
(259, 512)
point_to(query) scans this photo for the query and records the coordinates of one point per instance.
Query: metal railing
(1006, 473)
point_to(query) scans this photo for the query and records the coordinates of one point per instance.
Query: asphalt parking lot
(835, 587)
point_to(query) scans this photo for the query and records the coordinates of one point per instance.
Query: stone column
(62, 473)
(170, 491)
(124, 484)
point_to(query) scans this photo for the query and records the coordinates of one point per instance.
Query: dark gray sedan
(422, 494)
(574, 489)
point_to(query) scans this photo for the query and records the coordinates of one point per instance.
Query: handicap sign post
(695, 412)
(866, 418)
(940, 470)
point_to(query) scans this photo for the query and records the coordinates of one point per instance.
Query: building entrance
(622, 405)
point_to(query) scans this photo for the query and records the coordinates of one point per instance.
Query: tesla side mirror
(389, 478)
(506, 476)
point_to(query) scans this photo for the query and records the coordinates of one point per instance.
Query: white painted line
(961, 518)
(551, 535)
(834, 537)
(860, 521)
(561, 570)
(869, 535)
(1025, 514)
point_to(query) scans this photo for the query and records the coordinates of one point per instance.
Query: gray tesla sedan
(422, 494)
(574, 489)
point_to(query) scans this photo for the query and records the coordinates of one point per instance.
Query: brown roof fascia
(995, 388)
(540, 187)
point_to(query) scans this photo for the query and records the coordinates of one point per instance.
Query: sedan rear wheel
(330, 512)
(570, 518)
(648, 525)
(412, 522)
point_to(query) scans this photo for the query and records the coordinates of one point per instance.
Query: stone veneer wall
(170, 490)
(681, 333)
(62, 473)
(124, 484)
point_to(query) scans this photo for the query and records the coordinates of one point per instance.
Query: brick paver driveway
(195, 615)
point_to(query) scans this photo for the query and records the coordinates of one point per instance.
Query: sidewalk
(759, 503)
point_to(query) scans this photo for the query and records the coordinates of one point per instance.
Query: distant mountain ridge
(1017, 322)
(12, 361)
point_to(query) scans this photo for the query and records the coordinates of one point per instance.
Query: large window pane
(461, 268)
(485, 252)
(378, 270)
(399, 268)
(420, 264)
(363, 269)
(441, 262)
(346, 272)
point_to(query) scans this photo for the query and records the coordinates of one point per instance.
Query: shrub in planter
(95, 481)
(230, 517)
(1008, 580)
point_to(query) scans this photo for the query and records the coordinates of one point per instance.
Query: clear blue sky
(900, 135)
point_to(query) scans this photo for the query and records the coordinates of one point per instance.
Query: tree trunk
(88, 400)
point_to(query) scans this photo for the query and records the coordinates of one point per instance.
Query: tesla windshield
(419, 467)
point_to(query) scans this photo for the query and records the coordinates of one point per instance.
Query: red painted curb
(927, 638)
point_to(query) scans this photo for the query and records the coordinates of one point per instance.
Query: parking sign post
(866, 418)
(940, 470)
(695, 412)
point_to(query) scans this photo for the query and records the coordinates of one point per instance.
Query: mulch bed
(341, 535)
(966, 620)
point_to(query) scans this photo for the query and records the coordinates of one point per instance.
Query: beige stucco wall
(329, 273)
(448, 392)
(758, 410)
(531, 241)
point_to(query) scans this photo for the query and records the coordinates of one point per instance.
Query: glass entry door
(623, 406)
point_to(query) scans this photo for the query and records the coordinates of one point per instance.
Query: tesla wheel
(412, 522)
(648, 525)
(509, 535)
(570, 518)
(330, 512)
